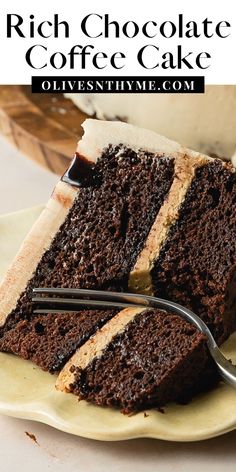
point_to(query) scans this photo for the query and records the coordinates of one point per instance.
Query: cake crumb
(145, 415)
(130, 414)
(161, 410)
(32, 436)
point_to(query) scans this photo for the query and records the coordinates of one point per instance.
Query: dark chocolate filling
(158, 358)
(197, 263)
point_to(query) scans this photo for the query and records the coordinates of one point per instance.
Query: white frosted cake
(204, 122)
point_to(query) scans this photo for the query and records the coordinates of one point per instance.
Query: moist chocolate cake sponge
(196, 264)
(139, 213)
(50, 339)
(155, 358)
(107, 226)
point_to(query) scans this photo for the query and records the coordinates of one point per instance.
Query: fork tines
(60, 300)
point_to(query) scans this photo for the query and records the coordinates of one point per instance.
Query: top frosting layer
(205, 122)
(99, 134)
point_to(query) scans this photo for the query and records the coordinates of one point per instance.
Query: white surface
(23, 184)
(59, 452)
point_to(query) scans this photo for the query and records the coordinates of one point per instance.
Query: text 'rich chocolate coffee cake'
(135, 212)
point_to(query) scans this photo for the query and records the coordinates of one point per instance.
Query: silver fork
(61, 300)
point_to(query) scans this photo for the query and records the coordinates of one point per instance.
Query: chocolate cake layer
(95, 247)
(156, 358)
(197, 263)
(109, 222)
(49, 340)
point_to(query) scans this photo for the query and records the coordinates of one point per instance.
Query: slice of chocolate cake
(135, 212)
(140, 359)
(87, 237)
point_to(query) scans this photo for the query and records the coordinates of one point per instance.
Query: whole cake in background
(135, 212)
(203, 122)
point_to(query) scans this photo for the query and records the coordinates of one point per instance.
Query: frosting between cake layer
(95, 346)
(140, 277)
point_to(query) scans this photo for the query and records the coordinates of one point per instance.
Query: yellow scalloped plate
(27, 392)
